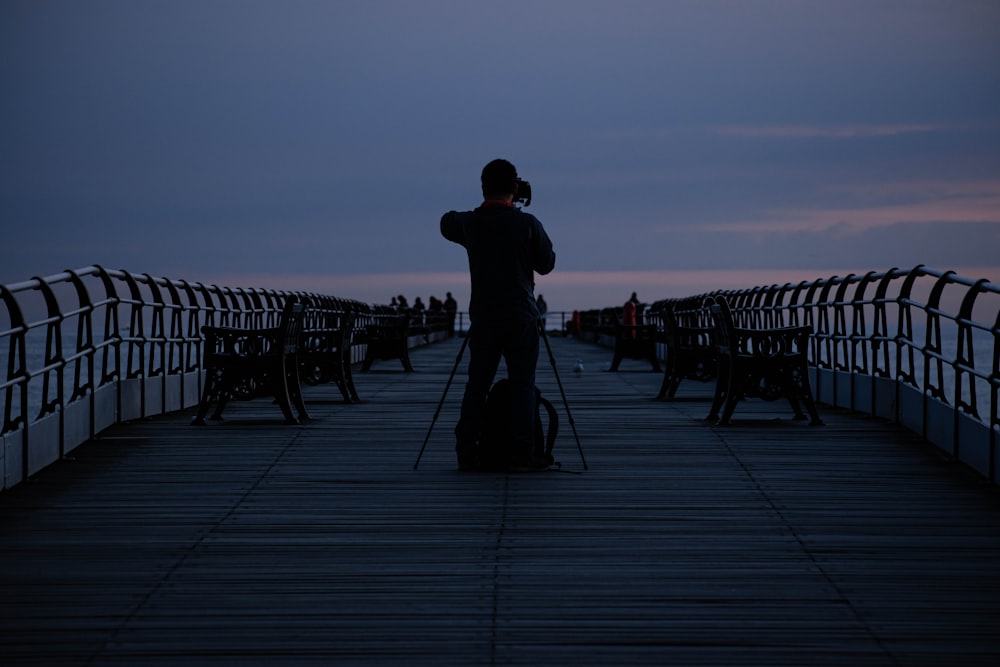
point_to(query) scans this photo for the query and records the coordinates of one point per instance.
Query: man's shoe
(528, 462)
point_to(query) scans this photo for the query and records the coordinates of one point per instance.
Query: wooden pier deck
(255, 543)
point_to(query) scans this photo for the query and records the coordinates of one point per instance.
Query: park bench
(690, 346)
(589, 328)
(759, 363)
(244, 363)
(325, 353)
(387, 336)
(632, 341)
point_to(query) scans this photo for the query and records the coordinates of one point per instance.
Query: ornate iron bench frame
(244, 364)
(691, 353)
(637, 342)
(759, 363)
(388, 337)
(325, 352)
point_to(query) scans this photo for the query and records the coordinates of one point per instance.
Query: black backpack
(495, 441)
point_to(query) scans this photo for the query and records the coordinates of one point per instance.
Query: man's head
(499, 179)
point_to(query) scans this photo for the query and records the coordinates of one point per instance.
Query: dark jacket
(506, 246)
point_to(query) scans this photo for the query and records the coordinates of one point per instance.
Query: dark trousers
(517, 342)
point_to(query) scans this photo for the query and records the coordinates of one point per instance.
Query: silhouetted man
(506, 247)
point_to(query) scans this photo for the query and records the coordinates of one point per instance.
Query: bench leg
(345, 379)
(671, 381)
(720, 392)
(802, 389)
(405, 358)
(288, 391)
(295, 391)
(349, 381)
(665, 385)
(206, 400)
(616, 360)
(793, 400)
(675, 383)
(728, 392)
(733, 397)
(342, 386)
(210, 394)
(339, 376)
(220, 405)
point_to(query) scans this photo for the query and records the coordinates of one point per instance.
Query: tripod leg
(437, 412)
(572, 424)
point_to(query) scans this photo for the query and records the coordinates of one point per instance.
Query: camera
(523, 192)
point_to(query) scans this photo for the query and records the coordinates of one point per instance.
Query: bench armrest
(243, 342)
(238, 331)
(774, 342)
(692, 336)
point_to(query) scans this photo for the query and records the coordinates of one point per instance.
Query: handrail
(919, 346)
(87, 348)
(880, 345)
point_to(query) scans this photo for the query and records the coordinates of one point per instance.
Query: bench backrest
(722, 324)
(290, 326)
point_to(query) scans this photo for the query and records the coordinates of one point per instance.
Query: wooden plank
(769, 542)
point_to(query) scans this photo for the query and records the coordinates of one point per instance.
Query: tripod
(458, 360)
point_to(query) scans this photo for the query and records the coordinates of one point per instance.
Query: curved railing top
(65, 335)
(934, 335)
(87, 348)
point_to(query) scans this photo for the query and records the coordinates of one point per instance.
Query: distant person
(418, 312)
(451, 307)
(506, 247)
(639, 307)
(629, 311)
(629, 315)
(575, 324)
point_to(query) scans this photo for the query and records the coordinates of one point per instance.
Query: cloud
(324, 140)
(860, 206)
(941, 245)
(825, 132)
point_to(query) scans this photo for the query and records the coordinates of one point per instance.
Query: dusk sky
(673, 146)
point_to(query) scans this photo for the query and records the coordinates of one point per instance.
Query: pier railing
(89, 348)
(86, 349)
(919, 347)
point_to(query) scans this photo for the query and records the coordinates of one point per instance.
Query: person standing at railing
(506, 247)
(629, 313)
(451, 307)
